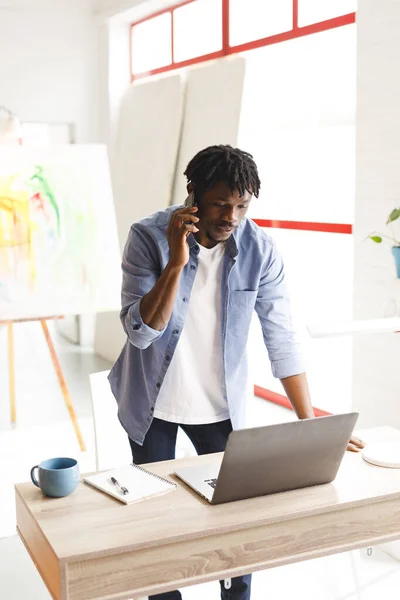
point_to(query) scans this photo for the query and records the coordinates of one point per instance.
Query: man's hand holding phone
(156, 307)
(181, 225)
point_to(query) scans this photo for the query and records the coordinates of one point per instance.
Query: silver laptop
(276, 458)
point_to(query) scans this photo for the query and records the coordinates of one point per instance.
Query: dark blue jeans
(159, 444)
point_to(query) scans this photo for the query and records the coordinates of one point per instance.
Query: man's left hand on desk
(355, 444)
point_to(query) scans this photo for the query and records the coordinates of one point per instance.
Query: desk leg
(11, 373)
(63, 385)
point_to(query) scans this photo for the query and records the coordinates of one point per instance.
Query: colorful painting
(59, 251)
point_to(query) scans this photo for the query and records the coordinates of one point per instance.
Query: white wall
(49, 73)
(48, 67)
(114, 18)
(376, 389)
(114, 81)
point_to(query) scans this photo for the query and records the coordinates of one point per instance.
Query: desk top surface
(89, 523)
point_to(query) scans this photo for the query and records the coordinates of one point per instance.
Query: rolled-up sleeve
(140, 271)
(273, 309)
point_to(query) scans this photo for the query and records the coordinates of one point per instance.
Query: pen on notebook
(121, 488)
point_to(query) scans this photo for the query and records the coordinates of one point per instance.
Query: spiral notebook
(139, 483)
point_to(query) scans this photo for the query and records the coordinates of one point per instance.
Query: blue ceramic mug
(57, 477)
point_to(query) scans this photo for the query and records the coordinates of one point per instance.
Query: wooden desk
(89, 546)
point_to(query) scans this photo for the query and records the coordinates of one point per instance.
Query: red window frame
(295, 32)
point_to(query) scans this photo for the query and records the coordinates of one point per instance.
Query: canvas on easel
(59, 250)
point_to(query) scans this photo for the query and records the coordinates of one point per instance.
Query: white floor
(43, 430)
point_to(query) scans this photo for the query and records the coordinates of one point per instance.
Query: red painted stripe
(283, 401)
(306, 226)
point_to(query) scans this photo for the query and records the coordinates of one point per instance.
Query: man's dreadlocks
(226, 164)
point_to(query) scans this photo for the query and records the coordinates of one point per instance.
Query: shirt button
(185, 299)
(152, 409)
(158, 385)
(176, 331)
(168, 358)
(192, 267)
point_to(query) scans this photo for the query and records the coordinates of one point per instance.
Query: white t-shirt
(192, 392)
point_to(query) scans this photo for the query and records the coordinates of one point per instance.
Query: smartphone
(190, 201)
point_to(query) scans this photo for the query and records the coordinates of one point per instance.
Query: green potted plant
(393, 238)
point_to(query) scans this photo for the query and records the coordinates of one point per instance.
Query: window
(197, 29)
(315, 11)
(255, 19)
(152, 44)
(300, 126)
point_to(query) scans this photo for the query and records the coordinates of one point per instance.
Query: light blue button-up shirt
(253, 279)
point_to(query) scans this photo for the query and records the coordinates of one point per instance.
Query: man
(191, 279)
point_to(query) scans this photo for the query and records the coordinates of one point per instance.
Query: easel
(57, 367)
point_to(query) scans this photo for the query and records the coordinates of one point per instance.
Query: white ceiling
(35, 5)
(129, 9)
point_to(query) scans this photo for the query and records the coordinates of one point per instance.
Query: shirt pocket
(240, 311)
(243, 300)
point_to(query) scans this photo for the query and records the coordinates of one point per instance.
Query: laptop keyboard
(211, 482)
